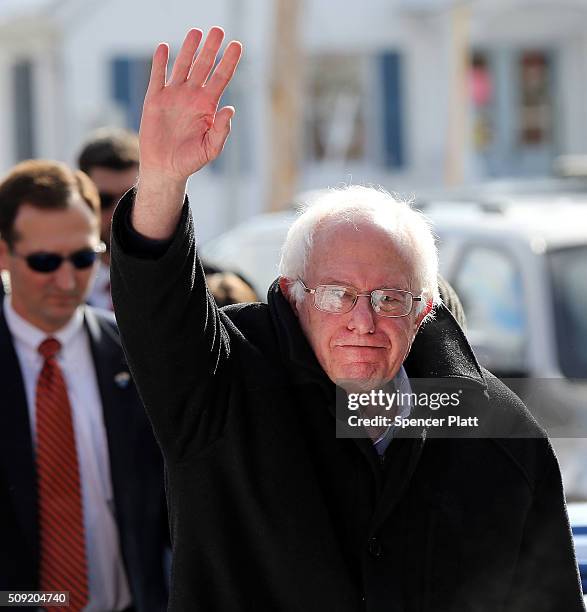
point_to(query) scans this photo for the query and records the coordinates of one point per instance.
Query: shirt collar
(401, 383)
(32, 336)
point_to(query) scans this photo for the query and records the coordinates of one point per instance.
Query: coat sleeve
(175, 340)
(547, 578)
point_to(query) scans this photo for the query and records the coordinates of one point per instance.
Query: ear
(284, 286)
(421, 315)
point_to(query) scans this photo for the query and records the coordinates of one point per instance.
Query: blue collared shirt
(402, 386)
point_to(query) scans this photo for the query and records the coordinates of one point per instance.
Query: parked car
(520, 270)
(578, 520)
(521, 273)
(252, 248)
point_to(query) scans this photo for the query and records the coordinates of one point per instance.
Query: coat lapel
(440, 351)
(16, 447)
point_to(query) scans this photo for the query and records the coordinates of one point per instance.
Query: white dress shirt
(108, 585)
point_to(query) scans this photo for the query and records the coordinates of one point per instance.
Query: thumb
(220, 129)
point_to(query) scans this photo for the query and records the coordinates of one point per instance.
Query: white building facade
(377, 96)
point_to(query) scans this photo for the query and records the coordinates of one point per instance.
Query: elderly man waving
(269, 508)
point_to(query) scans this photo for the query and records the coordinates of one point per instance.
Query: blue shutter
(120, 72)
(130, 77)
(393, 141)
(24, 119)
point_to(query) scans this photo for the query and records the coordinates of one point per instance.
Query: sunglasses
(49, 262)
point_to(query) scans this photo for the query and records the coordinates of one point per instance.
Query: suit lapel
(16, 447)
(112, 376)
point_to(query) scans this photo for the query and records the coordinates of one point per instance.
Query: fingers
(224, 72)
(206, 57)
(184, 60)
(158, 68)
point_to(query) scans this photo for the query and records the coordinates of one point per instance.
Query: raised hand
(181, 127)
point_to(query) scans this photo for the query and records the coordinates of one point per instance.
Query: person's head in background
(49, 240)
(227, 287)
(110, 157)
(452, 301)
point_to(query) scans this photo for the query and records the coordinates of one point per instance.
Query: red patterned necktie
(63, 564)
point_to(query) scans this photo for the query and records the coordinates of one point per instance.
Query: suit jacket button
(375, 549)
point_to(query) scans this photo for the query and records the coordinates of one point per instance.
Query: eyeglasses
(49, 262)
(337, 299)
(107, 200)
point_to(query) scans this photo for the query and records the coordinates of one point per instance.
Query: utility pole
(458, 110)
(286, 87)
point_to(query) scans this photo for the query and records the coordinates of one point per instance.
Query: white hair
(408, 229)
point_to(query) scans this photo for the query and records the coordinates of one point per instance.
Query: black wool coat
(270, 511)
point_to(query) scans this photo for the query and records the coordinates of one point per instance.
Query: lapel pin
(122, 379)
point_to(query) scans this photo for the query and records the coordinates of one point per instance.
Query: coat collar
(295, 349)
(441, 350)
(115, 385)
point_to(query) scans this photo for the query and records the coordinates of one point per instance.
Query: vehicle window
(489, 285)
(568, 269)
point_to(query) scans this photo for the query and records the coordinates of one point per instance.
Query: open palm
(181, 128)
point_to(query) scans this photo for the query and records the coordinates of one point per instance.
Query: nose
(64, 276)
(362, 317)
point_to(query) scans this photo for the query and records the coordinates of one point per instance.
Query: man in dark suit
(81, 481)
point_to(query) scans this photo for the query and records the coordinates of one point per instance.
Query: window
(354, 109)
(513, 111)
(489, 285)
(130, 77)
(335, 113)
(535, 110)
(568, 271)
(482, 86)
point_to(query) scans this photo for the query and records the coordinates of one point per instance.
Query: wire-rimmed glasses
(338, 299)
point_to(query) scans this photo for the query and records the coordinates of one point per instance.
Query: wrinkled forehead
(358, 249)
